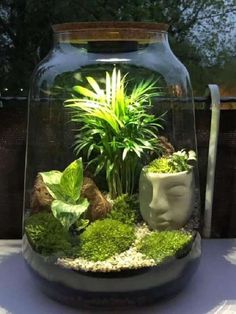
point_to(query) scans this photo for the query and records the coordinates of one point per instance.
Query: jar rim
(77, 26)
(109, 31)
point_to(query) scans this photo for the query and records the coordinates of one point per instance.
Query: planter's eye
(177, 191)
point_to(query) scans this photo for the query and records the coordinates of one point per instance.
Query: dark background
(12, 158)
(202, 35)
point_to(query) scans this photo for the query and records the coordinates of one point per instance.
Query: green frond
(85, 92)
(108, 88)
(115, 126)
(113, 90)
(95, 85)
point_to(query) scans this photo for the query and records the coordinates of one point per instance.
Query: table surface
(211, 290)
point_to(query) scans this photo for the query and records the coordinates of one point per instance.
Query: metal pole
(214, 132)
(1, 103)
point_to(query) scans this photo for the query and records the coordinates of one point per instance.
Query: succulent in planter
(166, 191)
(116, 129)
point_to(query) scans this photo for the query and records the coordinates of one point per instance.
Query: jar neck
(104, 43)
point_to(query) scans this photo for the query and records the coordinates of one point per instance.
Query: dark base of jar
(77, 298)
(120, 298)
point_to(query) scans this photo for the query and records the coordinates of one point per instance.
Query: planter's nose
(159, 203)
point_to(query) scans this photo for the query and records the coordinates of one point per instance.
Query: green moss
(164, 244)
(125, 209)
(46, 234)
(103, 239)
(160, 165)
(177, 162)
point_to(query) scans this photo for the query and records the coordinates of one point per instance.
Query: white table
(212, 289)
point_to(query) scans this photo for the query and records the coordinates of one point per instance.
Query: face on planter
(166, 200)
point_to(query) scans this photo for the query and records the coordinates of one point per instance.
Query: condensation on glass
(137, 53)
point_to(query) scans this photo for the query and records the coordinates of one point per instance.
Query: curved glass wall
(111, 185)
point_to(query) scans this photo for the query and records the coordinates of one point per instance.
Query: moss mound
(161, 245)
(177, 162)
(125, 209)
(46, 234)
(160, 165)
(103, 239)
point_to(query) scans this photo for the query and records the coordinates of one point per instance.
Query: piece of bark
(40, 197)
(99, 206)
(167, 147)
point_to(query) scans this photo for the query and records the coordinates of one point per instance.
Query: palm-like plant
(116, 127)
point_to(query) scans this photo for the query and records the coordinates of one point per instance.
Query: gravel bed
(127, 260)
(193, 223)
(130, 259)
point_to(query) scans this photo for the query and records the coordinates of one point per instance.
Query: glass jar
(111, 209)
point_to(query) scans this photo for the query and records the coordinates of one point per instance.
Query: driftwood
(40, 197)
(99, 206)
(167, 147)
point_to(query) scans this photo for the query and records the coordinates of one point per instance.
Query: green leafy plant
(164, 244)
(46, 234)
(103, 239)
(125, 209)
(68, 206)
(117, 128)
(177, 162)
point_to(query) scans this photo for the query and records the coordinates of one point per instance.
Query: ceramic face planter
(166, 199)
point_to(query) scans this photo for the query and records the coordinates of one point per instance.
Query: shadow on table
(212, 289)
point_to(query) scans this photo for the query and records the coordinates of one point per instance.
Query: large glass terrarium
(111, 211)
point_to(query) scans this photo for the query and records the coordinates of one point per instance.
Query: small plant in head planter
(117, 129)
(177, 162)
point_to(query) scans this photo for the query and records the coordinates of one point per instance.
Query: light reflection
(231, 256)
(4, 311)
(226, 306)
(113, 60)
(8, 248)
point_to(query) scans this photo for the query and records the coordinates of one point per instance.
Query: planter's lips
(162, 221)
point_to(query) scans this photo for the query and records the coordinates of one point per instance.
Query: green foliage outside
(177, 162)
(117, 130)
(46, 234)
(103, 239)
(164, 244)
(125, 209)
(65, 187)
(25, 26)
